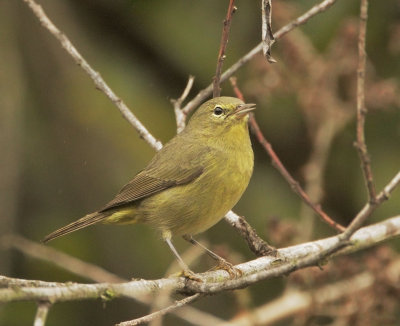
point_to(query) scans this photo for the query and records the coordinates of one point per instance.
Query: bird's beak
(242, 109)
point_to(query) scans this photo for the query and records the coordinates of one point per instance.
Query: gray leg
(186, 271)
(180, 260)
(222, 263)
(194, 242)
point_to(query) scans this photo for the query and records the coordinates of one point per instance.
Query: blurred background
(66, 150)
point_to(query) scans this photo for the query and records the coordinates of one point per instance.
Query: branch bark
(291, 259)
(222, 48)
(41, 314)
(361, 107)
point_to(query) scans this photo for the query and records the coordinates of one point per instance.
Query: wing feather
(144, 185)
(176, 164)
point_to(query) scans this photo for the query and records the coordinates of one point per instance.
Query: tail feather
(77, 225)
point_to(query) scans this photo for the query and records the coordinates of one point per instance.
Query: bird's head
(220, 114)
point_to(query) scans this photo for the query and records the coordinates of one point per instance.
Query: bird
(191, 183)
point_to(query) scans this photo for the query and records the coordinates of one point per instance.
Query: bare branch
(206, 92)
(41, 314)
(267, 35)
(177, 304)
(180, 116)
(291, 259)
(257, 245)
(94, 75)
(222, 48)
(361, 108)
(276, 162)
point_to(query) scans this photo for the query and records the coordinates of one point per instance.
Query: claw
(190, 275)
(227, 266)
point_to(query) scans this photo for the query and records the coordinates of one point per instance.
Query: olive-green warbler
(192, 182)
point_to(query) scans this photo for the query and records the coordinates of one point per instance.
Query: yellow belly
(195, 207)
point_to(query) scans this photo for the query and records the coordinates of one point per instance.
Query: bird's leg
(185, 268)
(222, 263)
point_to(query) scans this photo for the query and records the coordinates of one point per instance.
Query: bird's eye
(218, 110)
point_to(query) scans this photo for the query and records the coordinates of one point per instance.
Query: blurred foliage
(75, 150)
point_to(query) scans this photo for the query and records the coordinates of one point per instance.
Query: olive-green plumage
(192, 182)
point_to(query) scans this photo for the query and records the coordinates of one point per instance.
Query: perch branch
(291, 259)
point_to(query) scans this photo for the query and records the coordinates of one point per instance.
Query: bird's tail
(77, 225)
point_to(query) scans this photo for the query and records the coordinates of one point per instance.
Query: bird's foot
(190, 275)
(227, 266)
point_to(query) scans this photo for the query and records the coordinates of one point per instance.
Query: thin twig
(94, 75)
(361, 107)
(206, 92)
(180, 116)
(222, 48)
(276, 162)
(145, 319)
(41, 313)
(267, 35)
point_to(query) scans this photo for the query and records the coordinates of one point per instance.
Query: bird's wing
(145, 184)
(176, 164)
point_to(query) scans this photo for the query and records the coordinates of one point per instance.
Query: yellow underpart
(122, 216)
